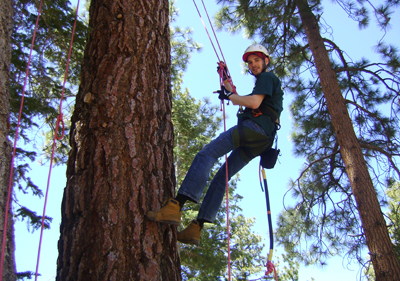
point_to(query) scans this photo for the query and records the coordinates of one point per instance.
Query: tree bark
(121, 162)
(6, 11)
(381, 249)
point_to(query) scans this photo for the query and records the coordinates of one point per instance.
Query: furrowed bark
(6, 11)
(121, 162)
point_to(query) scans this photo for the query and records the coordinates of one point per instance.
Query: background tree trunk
(121, 162)
(5, 145)
(381, 249)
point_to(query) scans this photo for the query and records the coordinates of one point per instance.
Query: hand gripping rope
(59, 122)
(222, 70)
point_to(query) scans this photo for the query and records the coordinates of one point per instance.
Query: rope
(227, 202)
(226, 71)
(56, 137)
(209, 37)
(222, 70)
(270, 266)
(14, 148)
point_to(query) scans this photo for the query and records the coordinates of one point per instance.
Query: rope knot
(270, 268)
(59, 121)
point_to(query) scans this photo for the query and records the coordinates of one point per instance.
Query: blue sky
(201, 79)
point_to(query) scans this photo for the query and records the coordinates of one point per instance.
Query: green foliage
(43, 84)
(26, 274)
(34, 220)
(324, 221)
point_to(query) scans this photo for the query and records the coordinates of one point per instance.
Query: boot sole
(164, 221)
(192, 241)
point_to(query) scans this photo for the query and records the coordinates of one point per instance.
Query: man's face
(257, 64)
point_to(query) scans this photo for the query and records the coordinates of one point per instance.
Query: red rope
(221, 71)
(270, 269)
(215, 35)
(227, 186)
(15, 146)
(227, 201)
(56, 137)
(209, 37)
(212, 43)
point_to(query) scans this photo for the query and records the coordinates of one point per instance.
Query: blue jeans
(196, 178)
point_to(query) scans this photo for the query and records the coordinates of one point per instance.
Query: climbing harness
(59, 122)
(252, 143)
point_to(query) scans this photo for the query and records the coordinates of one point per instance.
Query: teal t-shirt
(267, 84)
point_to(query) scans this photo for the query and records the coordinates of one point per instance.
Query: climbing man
(255, 133)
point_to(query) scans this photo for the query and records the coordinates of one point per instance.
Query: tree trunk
(380, 247)
(5, 145)
(121, 162)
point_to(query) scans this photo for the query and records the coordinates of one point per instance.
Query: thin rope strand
(209, 37)
(224, 117)
(227, 201)
(215, 35)
(15, 146)
(226, 71)
(56, 137)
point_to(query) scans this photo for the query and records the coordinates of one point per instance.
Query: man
(254, 134)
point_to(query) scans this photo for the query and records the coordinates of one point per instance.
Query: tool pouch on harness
(269, 157)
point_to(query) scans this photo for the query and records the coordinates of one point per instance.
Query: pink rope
(56, 137)
(227, 193)
(270, 269)
(209, 37)
(221, 71)
(226, 71)
(15, 146)
(215, 35)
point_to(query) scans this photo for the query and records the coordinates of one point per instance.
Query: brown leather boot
(169, 213)
(191, 234)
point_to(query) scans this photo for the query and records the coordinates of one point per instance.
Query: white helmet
(255, 48)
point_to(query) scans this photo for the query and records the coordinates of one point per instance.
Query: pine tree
(8, 266)
(121, 162)
(341, 127)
